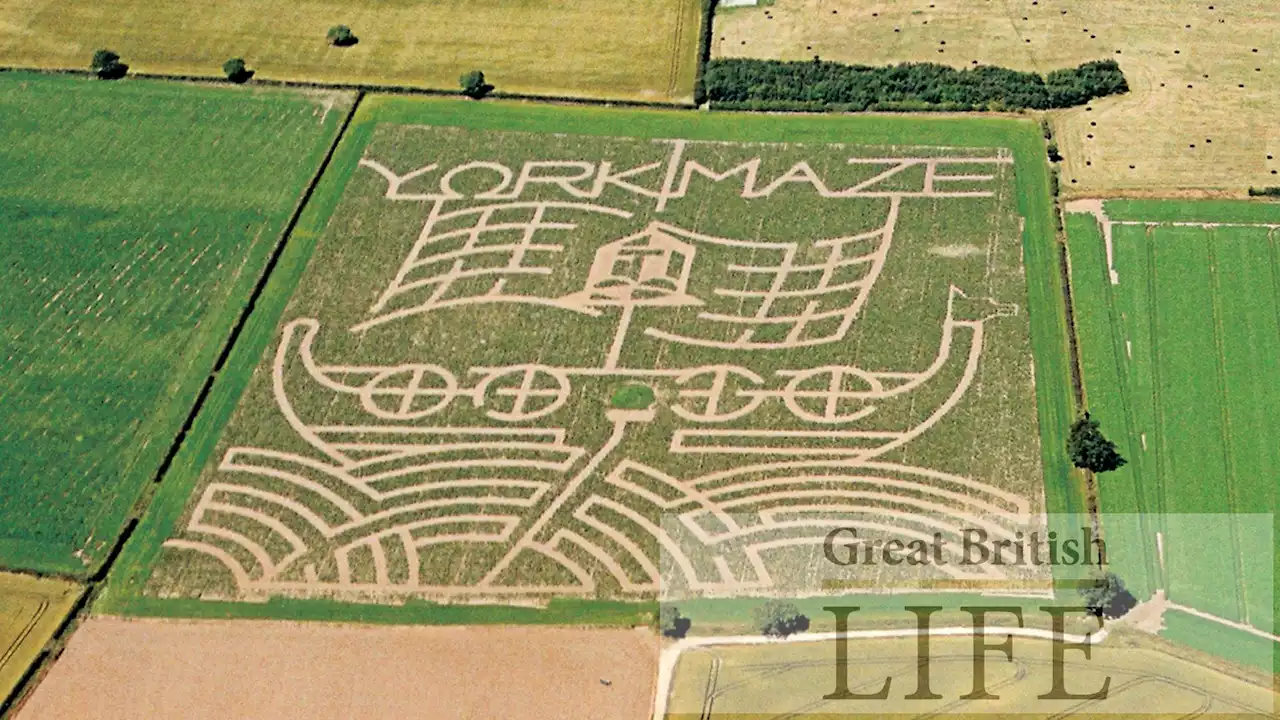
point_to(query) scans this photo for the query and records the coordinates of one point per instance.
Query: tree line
(106, 65)
(751, 84)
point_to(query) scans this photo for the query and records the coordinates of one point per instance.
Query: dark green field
(137, 216)
(1180, 363)
(343, 281)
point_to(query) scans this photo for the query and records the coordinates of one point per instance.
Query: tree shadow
(114, 71)
(679, 629)
(1120, 605)
(479, 93)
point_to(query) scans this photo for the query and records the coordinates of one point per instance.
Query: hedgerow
(750, 84)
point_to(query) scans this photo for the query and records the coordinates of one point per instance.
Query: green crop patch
(633, 396)
(516, 356)
(138, 216)
(1178, 310)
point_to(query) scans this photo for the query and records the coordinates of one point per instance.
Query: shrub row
(1273, 191)
(107, 66)
(750, 84)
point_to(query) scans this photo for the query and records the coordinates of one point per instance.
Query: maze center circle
(525, 393)
(408, 392)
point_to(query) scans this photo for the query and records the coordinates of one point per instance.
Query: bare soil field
(1202, 75)
(116, 668)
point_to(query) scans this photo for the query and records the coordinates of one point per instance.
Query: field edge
(21, 657)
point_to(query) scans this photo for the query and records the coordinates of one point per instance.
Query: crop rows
(1179, 365)
(138, 219)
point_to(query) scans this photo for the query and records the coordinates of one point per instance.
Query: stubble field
(590, 49)
(138, 216)
(31, 610)
(1203, 81)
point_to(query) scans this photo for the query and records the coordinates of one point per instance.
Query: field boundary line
(1223, 621)
(1203, 225)
(706, 22)
(671, 654)
(364, 88)
(1075, 366)
(1275, 272)
(1073, 339)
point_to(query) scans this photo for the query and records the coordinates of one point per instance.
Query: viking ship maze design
(472, 478)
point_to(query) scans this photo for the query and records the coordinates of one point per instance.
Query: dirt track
(115, 668)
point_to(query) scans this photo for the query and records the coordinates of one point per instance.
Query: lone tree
(236, 70)
(1107, 596)
(474, 86)
(341, 36)
(107, 66)
(672, 623)
(1090, 450)
(780, 619)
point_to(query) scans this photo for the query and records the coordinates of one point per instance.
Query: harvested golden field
(593, 48)
(31, 609)
(796, 680)
(115, 668)
(1205, 83)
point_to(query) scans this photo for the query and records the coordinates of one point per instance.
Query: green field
(602, 48)
(31, 610)
(1216, 639)
(1180, 366)
(253, 506)
(138, 217)
(790, 681)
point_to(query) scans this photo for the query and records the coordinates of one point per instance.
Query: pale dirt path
(247, 669)
(1223, 621)
(1093, 206)
(1147, 616)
